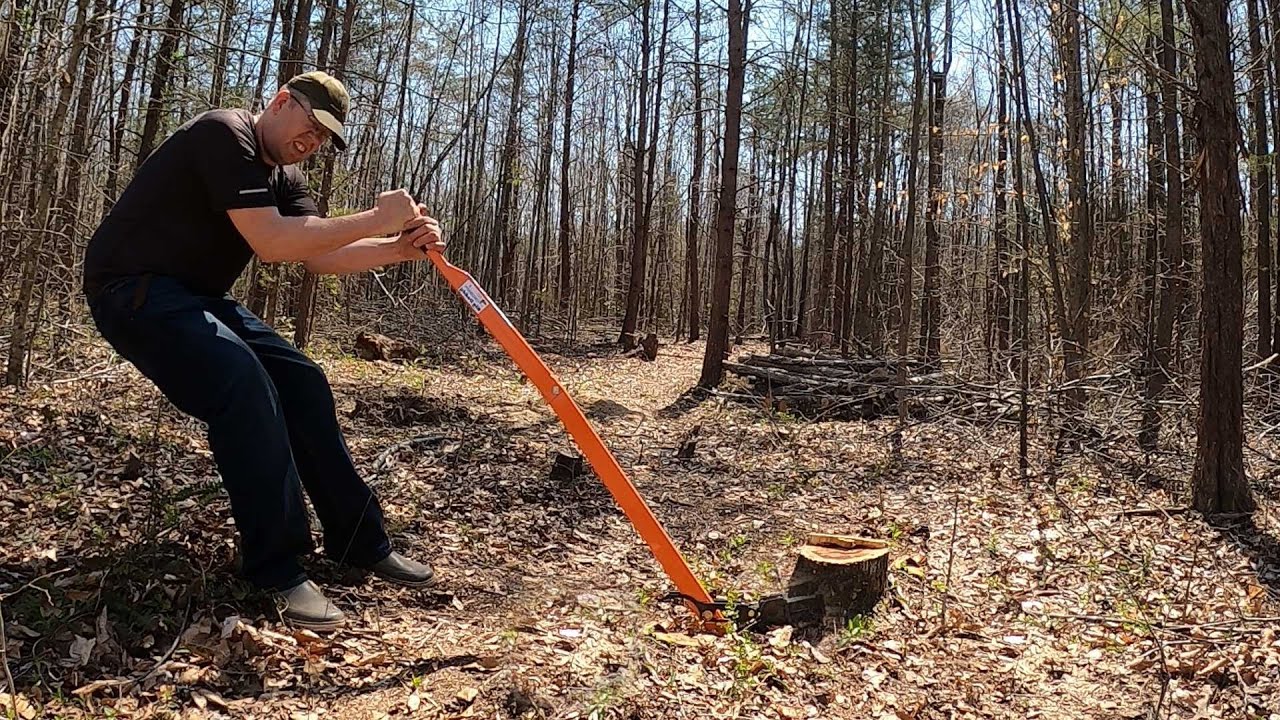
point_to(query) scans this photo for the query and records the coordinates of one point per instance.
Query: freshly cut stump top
(850, 573)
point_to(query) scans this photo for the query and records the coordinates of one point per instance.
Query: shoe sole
(407, 583)
(317, 625)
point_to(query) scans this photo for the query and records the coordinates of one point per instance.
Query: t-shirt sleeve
(295, 198)
(227, 161)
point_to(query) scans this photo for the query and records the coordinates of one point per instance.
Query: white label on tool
(474, 296)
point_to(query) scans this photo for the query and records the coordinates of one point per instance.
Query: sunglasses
(321, 132)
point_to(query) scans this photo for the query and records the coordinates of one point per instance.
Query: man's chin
(270, 156)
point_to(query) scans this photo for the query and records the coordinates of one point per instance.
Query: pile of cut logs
(825, 385)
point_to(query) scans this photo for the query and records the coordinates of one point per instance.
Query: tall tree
(23, 322)
(1261, 166)
(165, 58)
(930, 306)
(565, 286)
(693, 297)
(639, 191)
(1080, 221)
(505, 240)
(822, 301)
(307, 306)
(219, 84)
(998, 304)
(1168, 275)
(906, 278)
(1218, 482)
(114, 166)
(726, 210)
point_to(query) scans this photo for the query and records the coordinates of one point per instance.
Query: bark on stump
(646, 349)
(650, 347)
(566, 467)
(850, 573)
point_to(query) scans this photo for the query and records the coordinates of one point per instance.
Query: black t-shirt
(172, 219)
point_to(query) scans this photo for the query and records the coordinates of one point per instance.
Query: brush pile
(823, 385)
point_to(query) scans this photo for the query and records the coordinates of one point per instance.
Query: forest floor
(120, 598)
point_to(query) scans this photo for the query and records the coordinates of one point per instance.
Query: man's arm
(358, 256)
(277, 238)
(412, 243)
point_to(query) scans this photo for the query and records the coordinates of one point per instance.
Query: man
(223, 187)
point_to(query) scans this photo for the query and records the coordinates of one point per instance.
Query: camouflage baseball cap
(330, 102)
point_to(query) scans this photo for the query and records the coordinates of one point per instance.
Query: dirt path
(117, 557)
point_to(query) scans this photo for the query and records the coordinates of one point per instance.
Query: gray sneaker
(304, 606)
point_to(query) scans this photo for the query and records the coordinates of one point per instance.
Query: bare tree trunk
(266, 56)
(793, 308)
(726, 211)
(160, 80)
(1274, 67)
(397, 175)
(1047, 217)
(640, 231)
(1080, 249)
(748, 243)
(1155, 205)
(1261, 165)
(308, 310)
(821, 303)
(23, 319)
(1000, 294)
(1169, 277)
(802, 306)
(852, 190)
(508, 182)
(930, 308)
(907, 252)
(565, 286)
(869, 271)
(1119, 227)
(256, 292)
(930, 342)
(122, 111)
(693, 295)
(651, 181)
(219, 84)
(1218, 483)
(69, 213)
(292, 54)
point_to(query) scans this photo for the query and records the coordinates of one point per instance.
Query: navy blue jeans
(272, 424)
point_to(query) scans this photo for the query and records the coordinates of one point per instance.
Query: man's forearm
(356, 257)
(308, 236)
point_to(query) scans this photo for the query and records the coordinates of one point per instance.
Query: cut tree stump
(650, 347)
(849, 573)
(372, 346)
(646, 349)
(566, 467)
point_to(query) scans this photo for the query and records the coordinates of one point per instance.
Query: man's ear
(279, 101)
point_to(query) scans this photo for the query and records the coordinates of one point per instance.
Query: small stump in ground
(649, 347)
(850, 573)
(566, 468)
(644, 348)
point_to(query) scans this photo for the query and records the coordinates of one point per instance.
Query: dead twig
(4, 660)
(951, 553)
(32, 584)
(1152, 512)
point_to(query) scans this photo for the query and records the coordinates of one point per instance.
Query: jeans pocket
(114, 302)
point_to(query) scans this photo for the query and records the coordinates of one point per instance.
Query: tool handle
(576, 423)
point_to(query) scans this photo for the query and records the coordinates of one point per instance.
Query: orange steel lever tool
(601, 459)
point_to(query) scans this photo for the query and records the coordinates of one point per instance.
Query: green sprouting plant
(856, 628)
